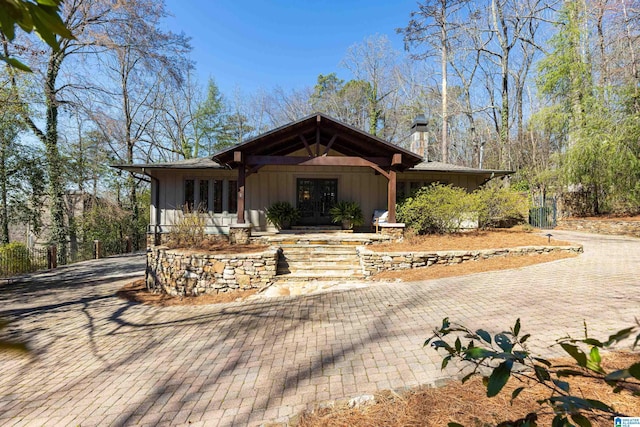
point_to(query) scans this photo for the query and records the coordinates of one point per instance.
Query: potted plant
(282, 215)
(347, 213)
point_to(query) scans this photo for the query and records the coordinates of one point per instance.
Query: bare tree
(374, 61)
(82, 18)
(434, 25)
(140, 60)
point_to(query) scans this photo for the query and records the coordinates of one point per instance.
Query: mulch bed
(468, 405)
(472, 240)
(137, 292)
(506, 262)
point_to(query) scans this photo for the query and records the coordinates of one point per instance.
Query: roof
(450, 168)
(197, 163)
(343, 138)
(302, 135)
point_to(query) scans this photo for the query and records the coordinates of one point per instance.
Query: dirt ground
(472, 240)
(137, 292)
(608, 218)
(471, 267)
(468, 405)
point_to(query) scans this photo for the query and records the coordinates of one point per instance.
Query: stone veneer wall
(373, 262)
(177, 272)
(612, 226)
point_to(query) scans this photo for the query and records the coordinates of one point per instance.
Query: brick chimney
(419, 142)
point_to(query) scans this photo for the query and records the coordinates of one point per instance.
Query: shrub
(189, 230)
(437, 209)
(506, 355)
(14, 259)
(499, 207)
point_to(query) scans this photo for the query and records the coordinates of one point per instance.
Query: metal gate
(543, 212)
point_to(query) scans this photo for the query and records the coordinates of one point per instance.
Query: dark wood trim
(241, 193)
(253, 170)
(318, 138)
(391, 199)
(306, 145)
(328, 147)
(396, 159)
(317, 161)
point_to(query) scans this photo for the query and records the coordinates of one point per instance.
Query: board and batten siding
(271, 184)
(278, 183)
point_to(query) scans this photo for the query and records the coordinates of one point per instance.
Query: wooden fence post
(96, 247)
(129, 246)
(52, 257)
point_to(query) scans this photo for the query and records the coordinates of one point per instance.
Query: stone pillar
(393, 229)
(239, 234)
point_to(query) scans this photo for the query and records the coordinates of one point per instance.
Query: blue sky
(263, 44)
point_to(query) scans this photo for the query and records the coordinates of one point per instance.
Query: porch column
(391, 199)
(241, 186)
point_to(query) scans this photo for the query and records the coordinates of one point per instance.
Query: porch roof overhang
(198, 163)
(318, 136)
(447, 168)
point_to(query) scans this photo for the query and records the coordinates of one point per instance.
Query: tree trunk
(4, 215)
(445, 113)
(54, 163)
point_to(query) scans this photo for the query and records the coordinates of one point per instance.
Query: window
(203, 202)
(189, 195)
(217, 195)
(233, 197)
(196, 195)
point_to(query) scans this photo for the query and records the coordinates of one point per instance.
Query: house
(311, 163)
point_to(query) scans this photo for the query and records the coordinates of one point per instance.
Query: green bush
(347, 213)
(282, 214)
(499, 207)
(14, 259)
(437, 209)
(506, 355)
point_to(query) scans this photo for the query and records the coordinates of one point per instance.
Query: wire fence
(17, 259)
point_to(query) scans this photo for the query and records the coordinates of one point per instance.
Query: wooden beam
(237, 156)
(318, 161)
(253, 170)
(328, 147)
(391, 200)
(241, 188)
(306, 145)
(318, 138)
(396, 159)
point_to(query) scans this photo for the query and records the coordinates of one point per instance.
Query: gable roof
(343, 138)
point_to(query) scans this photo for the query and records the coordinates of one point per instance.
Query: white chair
(379, 217)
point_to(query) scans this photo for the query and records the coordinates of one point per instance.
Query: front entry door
(315, 198)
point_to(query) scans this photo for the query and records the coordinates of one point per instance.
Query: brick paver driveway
(100, 361)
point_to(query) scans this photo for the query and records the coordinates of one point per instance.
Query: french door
(315, 197)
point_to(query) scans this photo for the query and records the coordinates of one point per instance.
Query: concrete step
(320, 242)
(319, 264)
(318, 249)
(319, 271)
(325, 275)
(320, 257)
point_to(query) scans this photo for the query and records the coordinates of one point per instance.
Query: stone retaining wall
(626, 228)
(177, 272)
(374, 262)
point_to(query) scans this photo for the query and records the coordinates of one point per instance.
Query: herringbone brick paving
(98, 360)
